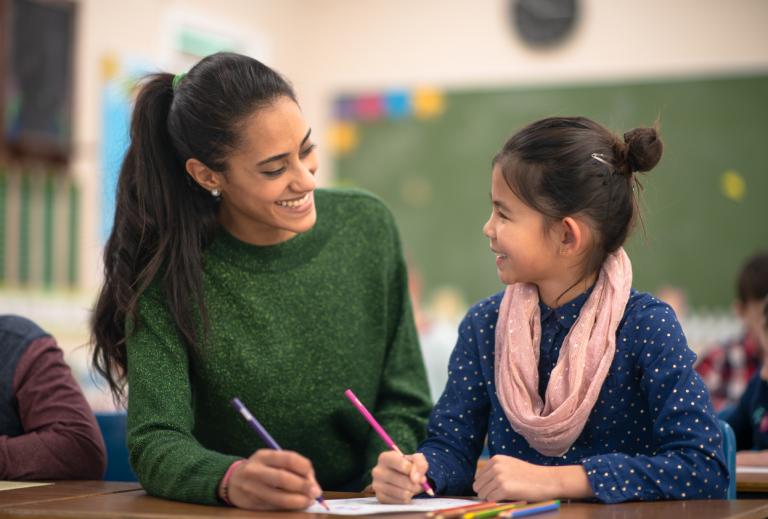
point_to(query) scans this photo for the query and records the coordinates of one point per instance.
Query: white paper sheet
(371, 505)
(13, 485)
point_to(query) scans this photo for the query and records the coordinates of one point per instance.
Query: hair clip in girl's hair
(600, 158)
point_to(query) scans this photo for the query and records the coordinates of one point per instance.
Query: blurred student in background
(750, 417)
(727, 368)
(47, 429)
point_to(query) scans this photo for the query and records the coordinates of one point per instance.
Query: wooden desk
(136, 504)
(751, 482)
(62, 490)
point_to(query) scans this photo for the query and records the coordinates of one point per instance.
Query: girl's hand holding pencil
(397, 477)
(394, 477)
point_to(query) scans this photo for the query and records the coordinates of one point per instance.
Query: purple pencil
(381, 432)
(263, 434)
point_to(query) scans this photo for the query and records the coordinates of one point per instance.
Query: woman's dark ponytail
(163, 219)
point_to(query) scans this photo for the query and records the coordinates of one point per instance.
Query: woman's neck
(253, 232)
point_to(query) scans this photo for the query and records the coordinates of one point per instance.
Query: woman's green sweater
(291, 327)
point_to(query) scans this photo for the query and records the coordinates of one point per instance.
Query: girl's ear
(574, 236)
(203, 175)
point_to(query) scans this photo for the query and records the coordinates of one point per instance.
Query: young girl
(583, 386)
(228, 274)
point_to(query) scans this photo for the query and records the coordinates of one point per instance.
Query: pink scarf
(552, 426)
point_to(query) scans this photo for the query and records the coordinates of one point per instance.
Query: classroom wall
(140, 29)
(383, 42)
(386, 43)
(332, 45)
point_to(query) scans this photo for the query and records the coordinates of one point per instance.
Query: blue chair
(726, 412)
(729, 449)
(113, 429)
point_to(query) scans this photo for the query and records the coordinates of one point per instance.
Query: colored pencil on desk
(492, 512)
(264, 435)
(381, 432)
(468, 511)
(533, 508)
(445, 513)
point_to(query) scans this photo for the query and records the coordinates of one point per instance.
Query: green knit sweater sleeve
(165, 455)
(403, 402)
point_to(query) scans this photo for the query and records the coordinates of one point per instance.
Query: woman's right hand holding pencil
(397, 478)
(272, 479)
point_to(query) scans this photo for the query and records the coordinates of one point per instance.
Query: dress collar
(565, 315)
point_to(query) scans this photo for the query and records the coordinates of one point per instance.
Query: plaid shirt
(727, 368)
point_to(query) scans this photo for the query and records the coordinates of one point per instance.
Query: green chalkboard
(705, 207)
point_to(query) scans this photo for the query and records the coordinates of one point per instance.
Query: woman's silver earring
(216, 193)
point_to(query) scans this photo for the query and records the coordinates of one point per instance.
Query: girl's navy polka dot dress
(651, 435)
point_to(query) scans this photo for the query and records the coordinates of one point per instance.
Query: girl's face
(267, 193)
(526, 252)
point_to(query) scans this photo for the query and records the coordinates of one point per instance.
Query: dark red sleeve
(711, 368)
(61, 439)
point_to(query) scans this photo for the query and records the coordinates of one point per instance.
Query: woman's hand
(272, 479)
(396, 479)
(507, 478)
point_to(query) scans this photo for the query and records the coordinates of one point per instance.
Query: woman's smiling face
(267, 191)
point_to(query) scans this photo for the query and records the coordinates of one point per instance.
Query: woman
(228, 274)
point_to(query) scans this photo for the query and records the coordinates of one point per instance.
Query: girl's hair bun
(644, 149)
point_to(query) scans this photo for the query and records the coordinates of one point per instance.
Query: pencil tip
(430, 492)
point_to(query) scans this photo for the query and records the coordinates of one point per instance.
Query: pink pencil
(381, 432)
